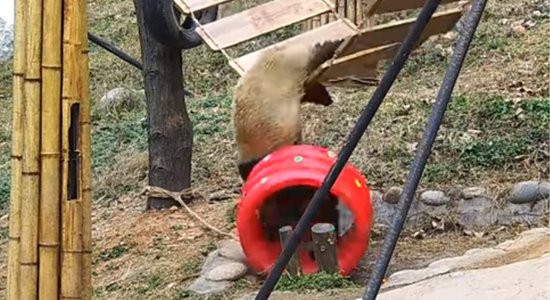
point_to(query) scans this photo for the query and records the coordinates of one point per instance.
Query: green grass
(313, 282)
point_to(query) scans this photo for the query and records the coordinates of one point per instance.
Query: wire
(434, 122)
(364, 120)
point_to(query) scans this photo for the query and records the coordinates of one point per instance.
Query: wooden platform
(324, 19)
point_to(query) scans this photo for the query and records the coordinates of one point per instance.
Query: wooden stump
(324, 239)
(293, 266)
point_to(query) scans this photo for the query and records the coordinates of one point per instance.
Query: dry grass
(495, 134)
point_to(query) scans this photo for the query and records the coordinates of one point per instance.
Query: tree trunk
(170, 129)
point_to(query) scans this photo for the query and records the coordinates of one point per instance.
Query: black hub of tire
(173, 29)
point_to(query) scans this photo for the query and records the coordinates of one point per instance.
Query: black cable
(364, 120)
(415, 174)
(114, 50)
(121, 54)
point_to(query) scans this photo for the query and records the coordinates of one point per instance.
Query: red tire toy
(302, 165)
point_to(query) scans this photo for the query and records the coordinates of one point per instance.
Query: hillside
(495, 134)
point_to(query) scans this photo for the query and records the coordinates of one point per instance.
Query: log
(324, 239)
(293, 267)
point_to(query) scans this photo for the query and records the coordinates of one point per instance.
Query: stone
(504, 282)
(406, 277)
(472, 192)
(203, 286)
(392, 195)
(213, 260)
(532, 214)
(434, 198)
(230, 271)
(233, 250)
(345, 218)
(120, 100)
(476, 212)
(529, 191)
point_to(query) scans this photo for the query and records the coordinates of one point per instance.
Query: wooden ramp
(324, 20)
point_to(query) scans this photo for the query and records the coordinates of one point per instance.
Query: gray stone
(203, 286)
(230, 271)
(213, 260)
(406, 277)
(119, 100)
(345, 218)
(529, 191)
(527, 213)
(233, 250)
(392, 195)
(434, 198)
(508, 282)
(383, 211)
(473, 192)
(476, 212)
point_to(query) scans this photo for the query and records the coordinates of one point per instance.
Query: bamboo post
(86, 159)
(16, 150)
(293, 266)
(71, 205)
(28, 259)
(48, 284)
(324, 239)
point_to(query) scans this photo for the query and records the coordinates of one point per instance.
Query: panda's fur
(267, 99)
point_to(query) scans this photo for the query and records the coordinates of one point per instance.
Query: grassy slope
(495, 133)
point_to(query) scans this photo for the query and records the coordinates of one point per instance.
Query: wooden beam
(331, 31)
(362, 64)
(396, 31)
(259, 20)
(324, 238)
(293, 266)
(187, 6)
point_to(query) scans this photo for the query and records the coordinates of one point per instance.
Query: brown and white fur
(267, 99)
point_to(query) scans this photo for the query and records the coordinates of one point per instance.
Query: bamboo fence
(48, 285)
(17, 150)
(50, 208)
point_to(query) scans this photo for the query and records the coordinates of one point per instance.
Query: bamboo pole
(31, 154)
(86, 158)
(48, 282)
(71, 247)
(16, 150)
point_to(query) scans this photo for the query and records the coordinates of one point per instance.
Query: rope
(187, 194)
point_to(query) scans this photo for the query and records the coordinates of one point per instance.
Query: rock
(529, 191)
(476, 212)
(213, 260)
(434, 198)
(392, 195)
(204, 286)
(232, 249)
(472, 192)
(230, 271)
(383, 211)
(345, 218)
(119, 100)
(503, 282)
(527, 213)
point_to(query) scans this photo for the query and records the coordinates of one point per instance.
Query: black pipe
(121, 54)
(417, 168)
(364, 120)
(114, 50)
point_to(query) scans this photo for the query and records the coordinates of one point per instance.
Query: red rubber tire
(302, 165)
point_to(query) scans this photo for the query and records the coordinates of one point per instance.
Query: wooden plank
(187, 6)
(361, 64)
(259, 20)
(334, 30)
(397, 31)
